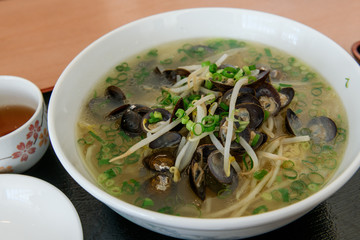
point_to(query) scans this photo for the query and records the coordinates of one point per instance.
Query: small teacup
(23, 147)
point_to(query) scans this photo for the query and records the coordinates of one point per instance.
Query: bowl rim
(193, 223)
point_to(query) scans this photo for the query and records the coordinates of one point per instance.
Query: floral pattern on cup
(44, 137)
(34, 130)
(28, 146)
(7, 169)
(24, 150)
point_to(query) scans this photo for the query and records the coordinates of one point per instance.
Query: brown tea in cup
(13, 117)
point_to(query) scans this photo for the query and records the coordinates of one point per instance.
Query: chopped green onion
(206, 63)
(217, 77)
(347, 82)
(175, 99)
(330, 163)
(229, 72)
(283, 85)
(167, 210)
(157, 114)
(243, 125)
(266, 115)
(260, 174)
(281, 194)
(165, 98)
(268, 52)
(112, 172)
(189, 125)
(155, 117)
(260, 209)
(213, 68)
(291, 60)
(312, 166)
(287, 164)
(152, 53)
(102, 178)
(224, 193)
(252, 67)
(313, 187)
(252, 79)
(197, 129)
(210, 122)
(166, 61)
(246, 70)
(255, 140)
(109, 183)
(224, 106)
(239, 74)
(114, 190)
(266, 196)
(99, 139)
(185, 119)
(147, 202)
(180, 113)
(194, 97)
(316, 178)
(224, 114)
(208, 84)
(290, 173)
(245, 162)
(298, 186)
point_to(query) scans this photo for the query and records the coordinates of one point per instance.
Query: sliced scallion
(213, 68)
(260, 209)
(260, 174)
(217, 77)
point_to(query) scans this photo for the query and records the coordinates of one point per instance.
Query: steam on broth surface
(274, 143)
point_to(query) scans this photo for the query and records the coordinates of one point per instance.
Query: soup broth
(291, 154)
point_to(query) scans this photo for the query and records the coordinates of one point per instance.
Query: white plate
(31, 209)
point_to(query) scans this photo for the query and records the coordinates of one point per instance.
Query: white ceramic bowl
(330, 60)
(33, 209)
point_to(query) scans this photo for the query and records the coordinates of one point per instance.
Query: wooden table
(39, 38)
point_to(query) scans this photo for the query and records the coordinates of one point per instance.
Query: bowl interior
(302, 42)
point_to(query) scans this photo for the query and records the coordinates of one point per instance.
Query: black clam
(257, 139)
(261, 78)
(293, 123)
(319, 128)
(197, 169)
(160, 161)
(131, 123)
(172, 74)
(216, 178)
(115, 93)
(250, 112)
(224, 85)
(168, 139)
(286, 96)
(207, 171)
(322, 129)
(244, 96)
(235, 146)
(147, 125)
(117, 112)
(269, 98)
(197, 179)
(131, 120)
(160, 184)
(112, 99)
